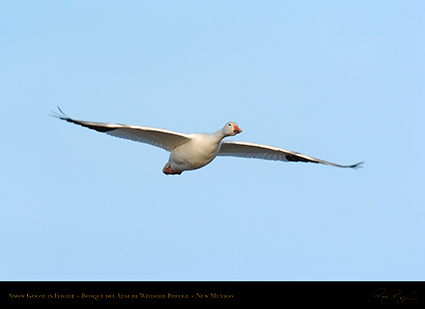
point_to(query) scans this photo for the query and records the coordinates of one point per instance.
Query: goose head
(231, 129)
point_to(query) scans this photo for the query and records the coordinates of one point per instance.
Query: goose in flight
(195, 150)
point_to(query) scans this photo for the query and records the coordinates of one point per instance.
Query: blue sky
(339, 80)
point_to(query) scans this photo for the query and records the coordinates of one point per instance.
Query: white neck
(220, 134)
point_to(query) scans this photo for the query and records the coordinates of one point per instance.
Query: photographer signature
(391, 296)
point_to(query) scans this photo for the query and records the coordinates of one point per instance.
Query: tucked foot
(168, 171)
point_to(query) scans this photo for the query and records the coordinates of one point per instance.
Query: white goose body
(196, 153)
(195, 150)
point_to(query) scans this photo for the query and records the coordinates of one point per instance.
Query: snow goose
(195, 150)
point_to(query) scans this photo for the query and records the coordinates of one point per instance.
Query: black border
(214, 293)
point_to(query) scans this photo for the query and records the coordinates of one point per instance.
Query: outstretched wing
(162, 138)
(259, 151)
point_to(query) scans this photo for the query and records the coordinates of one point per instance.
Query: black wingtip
(91, 125)
(60, 115)
(357, 165)
(61, 111)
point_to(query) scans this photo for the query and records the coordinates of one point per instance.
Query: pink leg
(168, 171)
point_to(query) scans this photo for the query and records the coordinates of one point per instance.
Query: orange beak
(237, 130)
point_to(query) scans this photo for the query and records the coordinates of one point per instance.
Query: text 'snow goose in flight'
(195, 150)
